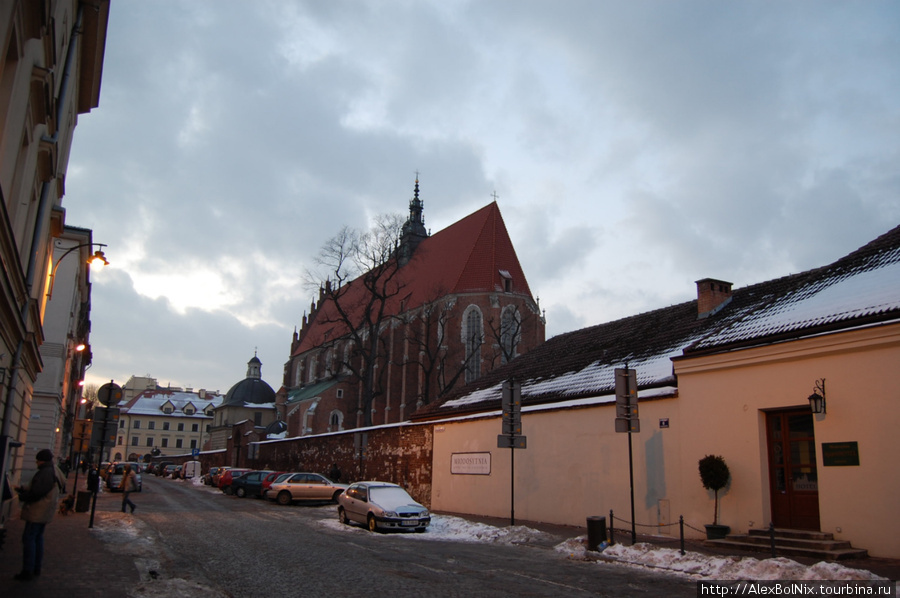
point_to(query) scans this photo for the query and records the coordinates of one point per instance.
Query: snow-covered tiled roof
(149, 403)
(860, 289)
(829, 300)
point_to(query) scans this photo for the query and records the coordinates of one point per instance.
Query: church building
(451, 307)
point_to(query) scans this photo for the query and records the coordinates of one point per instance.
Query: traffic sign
(109, 394)
(624, 424)
(512, 442)
(627, 401)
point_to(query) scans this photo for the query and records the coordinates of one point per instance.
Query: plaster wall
(724, 399)
(575, 466)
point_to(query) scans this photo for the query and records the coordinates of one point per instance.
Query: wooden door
(793, 478)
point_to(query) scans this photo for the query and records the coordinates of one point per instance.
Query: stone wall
(400, 454)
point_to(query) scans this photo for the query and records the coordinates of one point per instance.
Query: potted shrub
(714, 475)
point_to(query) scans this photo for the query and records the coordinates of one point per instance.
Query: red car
(225, 479)
(268, 481)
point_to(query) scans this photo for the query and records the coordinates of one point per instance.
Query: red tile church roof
(470, 256)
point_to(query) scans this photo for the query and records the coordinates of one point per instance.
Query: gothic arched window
(510, 332)
(472, 338)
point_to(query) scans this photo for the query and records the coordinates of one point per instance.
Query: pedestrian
(39, 502)
(127, 486)
(334, 473)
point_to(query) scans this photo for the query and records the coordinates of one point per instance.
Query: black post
(612, 531)
(772, 537)
(681, 528)
(630, 458)
(99, 462)
(512, 484)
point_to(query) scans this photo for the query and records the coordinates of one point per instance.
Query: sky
(633, 147)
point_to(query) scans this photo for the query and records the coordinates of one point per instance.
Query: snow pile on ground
(457, 529)
(130, 534)
(698, 565)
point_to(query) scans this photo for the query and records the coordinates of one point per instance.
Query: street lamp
(98, 259)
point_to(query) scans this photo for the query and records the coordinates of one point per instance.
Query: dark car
(382, 506)
(250, 484)
(226, 478)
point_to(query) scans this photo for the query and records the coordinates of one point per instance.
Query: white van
(190, 470)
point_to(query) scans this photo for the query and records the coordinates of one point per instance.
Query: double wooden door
(794, 481)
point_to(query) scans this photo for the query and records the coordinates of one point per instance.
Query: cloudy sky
(634, 147)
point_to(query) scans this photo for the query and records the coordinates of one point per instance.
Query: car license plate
(410, 523)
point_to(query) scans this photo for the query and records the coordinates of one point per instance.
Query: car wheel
(240, 492)
(228, 490)
(342, 515)
(334, 497)
(373, 525)
(285, 498)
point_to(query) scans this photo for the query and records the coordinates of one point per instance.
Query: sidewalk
(76, 563)
(887, 568)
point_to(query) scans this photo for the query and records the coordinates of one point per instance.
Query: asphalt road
(230, 546)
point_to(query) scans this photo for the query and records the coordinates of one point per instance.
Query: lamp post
(97, 259)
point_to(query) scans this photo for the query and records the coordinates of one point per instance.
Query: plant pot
(717, 532)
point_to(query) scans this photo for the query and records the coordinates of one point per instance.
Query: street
(223, 545)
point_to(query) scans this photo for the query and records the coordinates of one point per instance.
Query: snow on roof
(862, 288)
(152, 404)
(821, 302)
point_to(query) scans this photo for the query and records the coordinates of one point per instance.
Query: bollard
(596, 528)
(612, 529)
(83, 501)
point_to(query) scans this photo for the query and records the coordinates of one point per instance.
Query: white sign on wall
(470, 463)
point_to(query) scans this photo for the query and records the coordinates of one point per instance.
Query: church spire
(414, 228)
(254, 367)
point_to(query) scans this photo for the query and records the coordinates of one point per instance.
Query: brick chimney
(712, 295)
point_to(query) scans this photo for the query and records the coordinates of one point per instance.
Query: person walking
(127, 486)
(39, 502)
(334, 473)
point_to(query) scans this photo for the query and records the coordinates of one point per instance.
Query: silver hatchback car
(382, 506)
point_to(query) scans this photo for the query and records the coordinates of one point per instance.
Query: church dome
(252, 389)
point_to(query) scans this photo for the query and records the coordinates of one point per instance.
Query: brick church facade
(460, 307)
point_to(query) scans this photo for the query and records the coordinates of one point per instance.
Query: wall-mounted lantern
(817, 398)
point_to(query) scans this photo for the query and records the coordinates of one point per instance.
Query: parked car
(270, 479)
(169, 470)
(304, 486)
(209, 476)
(190, 470)
(250, 484)
(382, 506)
(161, 467)
(219, 473)
(116, 470)
(226, 478)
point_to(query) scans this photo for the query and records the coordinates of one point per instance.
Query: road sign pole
(512, 486)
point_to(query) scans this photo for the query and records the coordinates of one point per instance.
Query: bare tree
(357, 279)
(506, 334)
